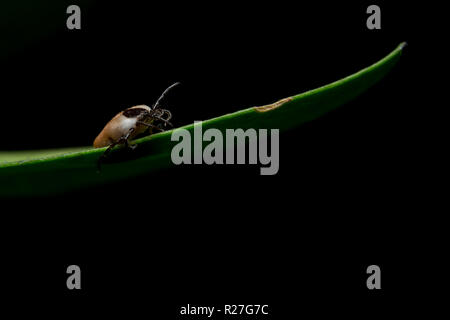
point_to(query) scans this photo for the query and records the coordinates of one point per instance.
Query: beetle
(131, 122)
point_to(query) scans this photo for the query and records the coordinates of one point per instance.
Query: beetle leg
(166, 121)
(124, 139)
(127, 144)
(121, 140)
(105, 155)
(151, 126)
(169, 114)
(131, 146)
(159, 114)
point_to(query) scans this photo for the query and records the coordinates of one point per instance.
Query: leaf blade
(60, 170)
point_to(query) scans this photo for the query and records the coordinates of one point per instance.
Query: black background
(346, 195)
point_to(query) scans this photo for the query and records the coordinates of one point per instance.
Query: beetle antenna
(156, 105)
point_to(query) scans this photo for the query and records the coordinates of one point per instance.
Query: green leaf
(56, 171)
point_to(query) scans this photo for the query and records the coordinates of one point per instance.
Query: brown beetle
(131, 122)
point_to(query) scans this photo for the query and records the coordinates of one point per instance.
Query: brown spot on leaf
(269, 107)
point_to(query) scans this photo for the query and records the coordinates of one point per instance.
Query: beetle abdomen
(120, 126)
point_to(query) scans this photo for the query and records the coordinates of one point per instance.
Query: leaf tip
(402, 45)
